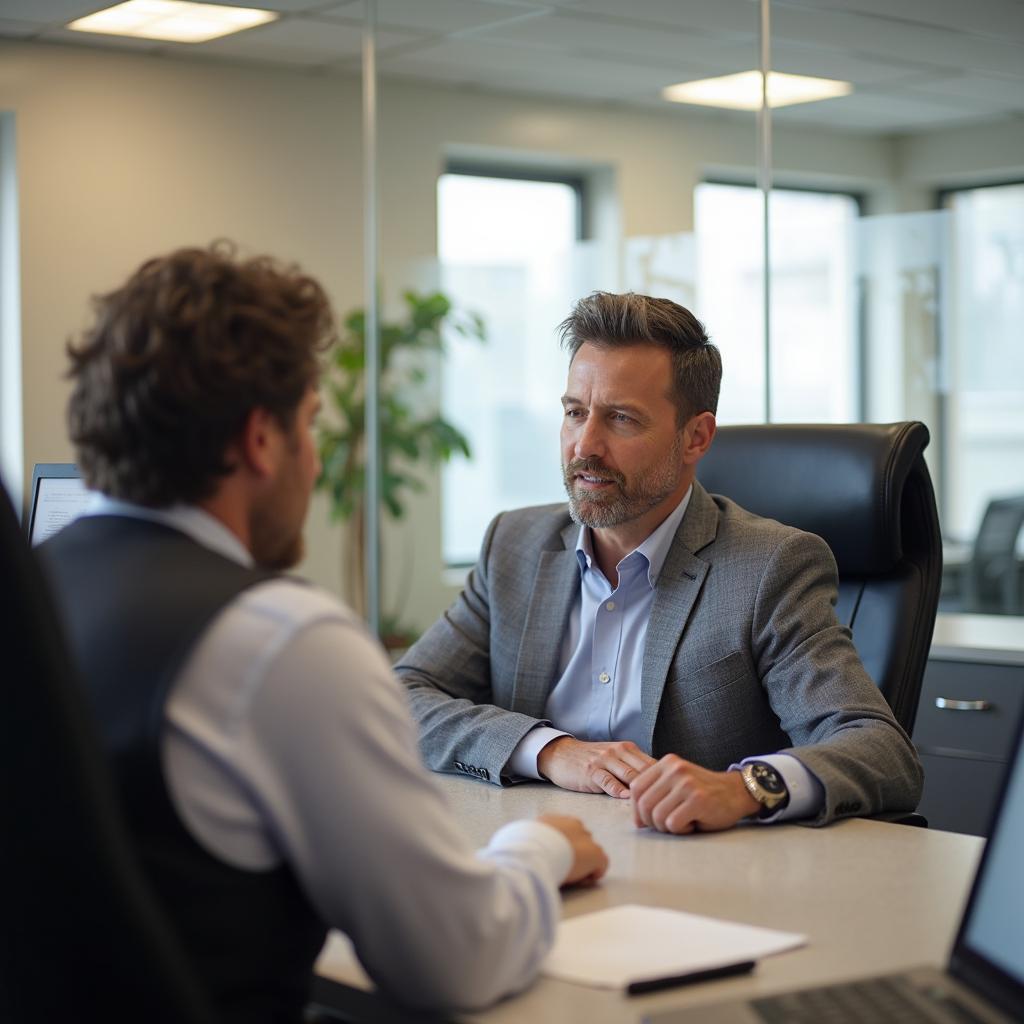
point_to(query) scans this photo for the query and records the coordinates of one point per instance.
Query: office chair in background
(993, 578)
(865, 489)
(83, 935)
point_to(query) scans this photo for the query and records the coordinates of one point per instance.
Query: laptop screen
(58, 496)
(989, 951)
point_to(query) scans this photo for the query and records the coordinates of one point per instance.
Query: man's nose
(590, 440)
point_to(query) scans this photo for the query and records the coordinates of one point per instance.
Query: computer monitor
(57, 497)
(989, 948)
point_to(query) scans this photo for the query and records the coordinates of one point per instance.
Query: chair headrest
(844, 482)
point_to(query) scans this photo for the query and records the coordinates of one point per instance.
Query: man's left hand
(674, 795)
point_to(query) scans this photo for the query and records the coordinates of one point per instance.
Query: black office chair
(84, 938)
(864, 488)
(993, 578)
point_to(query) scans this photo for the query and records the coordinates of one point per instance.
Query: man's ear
(256, 444)
(698, 434)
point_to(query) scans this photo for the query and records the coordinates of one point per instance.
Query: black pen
(636, 988)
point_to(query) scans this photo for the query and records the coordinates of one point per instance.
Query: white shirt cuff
(806, 793)
(533, 844)
(523, 762)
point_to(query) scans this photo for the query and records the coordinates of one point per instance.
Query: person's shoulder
(537, 518)
(294, 603)
(535, 527)
(740, 527)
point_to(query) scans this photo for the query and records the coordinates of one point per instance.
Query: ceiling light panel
(172, 20)
(742, 91)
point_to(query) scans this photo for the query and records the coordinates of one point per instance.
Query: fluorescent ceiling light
(743, 91)
(173, 20)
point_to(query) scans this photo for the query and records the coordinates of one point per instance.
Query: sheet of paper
(612, 948)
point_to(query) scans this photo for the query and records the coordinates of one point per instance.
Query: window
(509, 250)
(983, 398)
(815, 351)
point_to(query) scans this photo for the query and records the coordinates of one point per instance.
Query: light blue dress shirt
(597, 696)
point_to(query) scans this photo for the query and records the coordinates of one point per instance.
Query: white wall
(121, 157)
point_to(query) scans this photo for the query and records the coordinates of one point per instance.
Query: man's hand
(589, 861)
(674, 795)
(592, 767)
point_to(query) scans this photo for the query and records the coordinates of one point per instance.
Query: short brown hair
(611, 321)
(177, 359)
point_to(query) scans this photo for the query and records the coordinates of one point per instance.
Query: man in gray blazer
(652, 641)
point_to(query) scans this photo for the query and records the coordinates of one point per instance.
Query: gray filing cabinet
(971, 703)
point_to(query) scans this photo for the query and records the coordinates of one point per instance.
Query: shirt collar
(202, 527)
(654, 549)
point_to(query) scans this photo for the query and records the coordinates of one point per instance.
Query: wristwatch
(765, 785)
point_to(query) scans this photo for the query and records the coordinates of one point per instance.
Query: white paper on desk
(612, 948)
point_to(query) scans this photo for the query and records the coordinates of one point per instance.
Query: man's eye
(573, 413)
(622, 417)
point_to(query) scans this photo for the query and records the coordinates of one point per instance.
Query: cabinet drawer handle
(947, 704)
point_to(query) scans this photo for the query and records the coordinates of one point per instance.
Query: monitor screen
(995, 924)
(58, 497)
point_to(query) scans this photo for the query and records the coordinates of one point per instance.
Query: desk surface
(871, 897)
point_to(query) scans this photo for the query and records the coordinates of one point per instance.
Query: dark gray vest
(135, 597)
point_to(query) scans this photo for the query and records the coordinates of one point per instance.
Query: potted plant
(412, 431)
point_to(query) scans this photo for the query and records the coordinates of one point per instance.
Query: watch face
(768, 778)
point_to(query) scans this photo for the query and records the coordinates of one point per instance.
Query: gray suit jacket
(744, 656)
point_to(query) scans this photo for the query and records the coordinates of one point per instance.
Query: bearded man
(652, 641)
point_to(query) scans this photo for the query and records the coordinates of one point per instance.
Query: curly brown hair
(177, 359)
(608, 320)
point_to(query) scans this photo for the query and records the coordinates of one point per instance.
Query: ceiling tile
(715, 16)
(797, 59)
(606, 41)
(522, 69)
(1005, 93)
(441, 16)
(51, 12)
(885, 112)
(892, 39)
(17, 29)
(297, 41)
(1000, 18)
(282, 6)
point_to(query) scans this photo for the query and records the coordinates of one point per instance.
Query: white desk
(871, 897)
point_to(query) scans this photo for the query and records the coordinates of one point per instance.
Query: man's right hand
(589, 861)
(592, 767)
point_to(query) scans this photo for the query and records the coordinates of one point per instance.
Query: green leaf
(405, 436)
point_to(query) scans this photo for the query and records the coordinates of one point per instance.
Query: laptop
(983, 982)
(58, 497)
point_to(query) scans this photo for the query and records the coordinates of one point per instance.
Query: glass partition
(563, 171)
(925, 278)
(895, 225)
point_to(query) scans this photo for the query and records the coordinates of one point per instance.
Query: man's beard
(275, 526)
(620, 503)
(272, 546)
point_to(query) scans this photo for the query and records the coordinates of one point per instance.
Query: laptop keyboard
(875, 1001)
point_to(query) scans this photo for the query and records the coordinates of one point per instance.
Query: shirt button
(604, 677)
(610, 606)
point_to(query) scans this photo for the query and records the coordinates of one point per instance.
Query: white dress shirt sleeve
(326, 755)
(523, 762)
